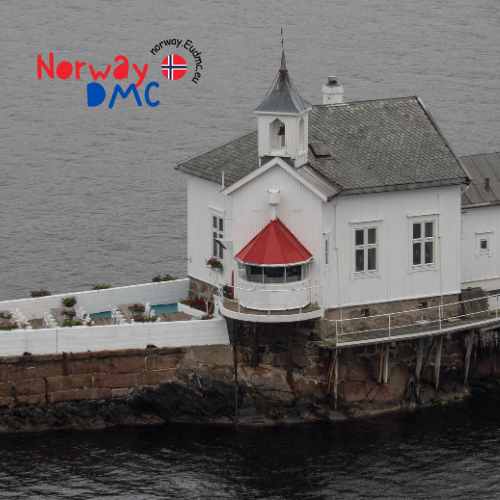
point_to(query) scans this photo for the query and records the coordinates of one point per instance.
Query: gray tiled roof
(376, 145)
(484, 189)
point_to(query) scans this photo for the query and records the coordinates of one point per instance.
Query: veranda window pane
(429, 229)
(417, 254)
(293, 273)
(221, 224)
(372, 259)
(417, 231)
(360, 236)
(372, 236)
(254, 273)
(214, 222)
(274, 274)
(360, 260)
(429, 252)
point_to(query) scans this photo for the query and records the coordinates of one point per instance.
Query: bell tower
(283, 120)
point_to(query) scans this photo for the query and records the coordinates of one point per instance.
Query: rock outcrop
(272, 375)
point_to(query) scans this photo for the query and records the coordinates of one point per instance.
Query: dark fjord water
(88, 196)
(450, 453)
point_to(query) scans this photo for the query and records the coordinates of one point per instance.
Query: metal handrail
(339, 323)
(421, 309)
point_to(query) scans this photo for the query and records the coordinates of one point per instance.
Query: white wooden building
(334, 206)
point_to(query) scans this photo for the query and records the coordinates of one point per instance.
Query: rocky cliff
(272, 375)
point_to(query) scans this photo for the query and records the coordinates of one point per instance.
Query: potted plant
(163, 277)
(215, 264)
(69, 301)
(228, 291)
(40, 293)
(101, 286)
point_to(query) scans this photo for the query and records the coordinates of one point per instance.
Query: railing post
(336, 332)
(496, 310)
(440, 314)
(390, 315)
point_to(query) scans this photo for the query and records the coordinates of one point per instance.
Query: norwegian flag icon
(174, 67)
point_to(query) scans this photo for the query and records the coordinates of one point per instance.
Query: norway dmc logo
(141, 91)
(174, 67)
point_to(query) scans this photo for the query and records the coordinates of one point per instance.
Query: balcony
(271, 303)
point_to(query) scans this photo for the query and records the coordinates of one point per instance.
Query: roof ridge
(364, 101)
(480, 154)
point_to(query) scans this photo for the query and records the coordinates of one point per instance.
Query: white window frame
(480, 236)
(422, 240)
(216, 233)
(365, 227)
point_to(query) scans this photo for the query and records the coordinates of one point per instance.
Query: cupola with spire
(283, 120)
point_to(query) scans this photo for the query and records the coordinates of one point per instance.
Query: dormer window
(278, 135)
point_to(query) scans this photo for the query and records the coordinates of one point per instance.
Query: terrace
(134, 316)
(476, 313)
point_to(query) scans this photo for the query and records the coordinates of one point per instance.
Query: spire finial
(283, 59)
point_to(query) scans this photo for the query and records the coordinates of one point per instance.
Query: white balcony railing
(274, 296)
(268, 298)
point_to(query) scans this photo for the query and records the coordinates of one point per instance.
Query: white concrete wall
(204, 200)
(299, 209)
(100, 338)
(481, 268)
(395, 278)
(92, 301)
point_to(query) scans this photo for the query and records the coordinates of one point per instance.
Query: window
(294, 273)
(254, 274)
(483, 243)
(327, 250)
(274, 274)
(217, 234)
(423, 243)
(278, 135)
(365, 250)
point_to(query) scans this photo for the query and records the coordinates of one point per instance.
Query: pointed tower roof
(283, 97)
(273, 246)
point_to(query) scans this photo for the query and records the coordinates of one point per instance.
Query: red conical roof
(274, 245)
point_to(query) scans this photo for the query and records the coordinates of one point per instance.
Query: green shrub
(140, 318)
(101, 286)
(163, 277)
(40, 293)
(5, 315)
(8, 327)
(69, 301)
(215, 263)
(71, 322)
